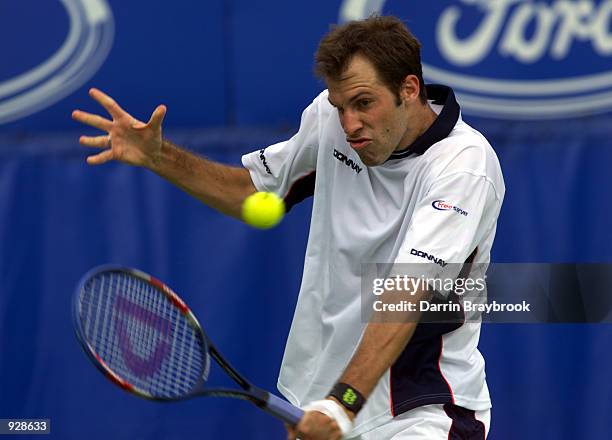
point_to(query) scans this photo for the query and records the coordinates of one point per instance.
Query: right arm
(219, 186)
(133, 142)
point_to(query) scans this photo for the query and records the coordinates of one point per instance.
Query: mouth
(359, 143)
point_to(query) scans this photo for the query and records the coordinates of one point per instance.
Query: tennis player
(386, 158)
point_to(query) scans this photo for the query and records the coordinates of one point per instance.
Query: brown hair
(384, 40)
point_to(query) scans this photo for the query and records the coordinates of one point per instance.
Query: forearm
(384, 339)
(381, 345)
(219, 186)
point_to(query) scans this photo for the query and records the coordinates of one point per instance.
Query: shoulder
(321, 102)
(466, 147)
(319, 110)
(466, 151)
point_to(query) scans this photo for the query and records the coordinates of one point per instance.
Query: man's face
(374, 123)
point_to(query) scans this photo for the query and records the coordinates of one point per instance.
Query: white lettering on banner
(522, 31)
(358, 9)
(556, 26)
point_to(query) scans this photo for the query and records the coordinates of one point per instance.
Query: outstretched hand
(128, 139)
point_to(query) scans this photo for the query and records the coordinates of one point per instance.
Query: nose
(351, 123)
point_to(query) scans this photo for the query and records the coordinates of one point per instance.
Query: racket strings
(141, 331)
(141, 336)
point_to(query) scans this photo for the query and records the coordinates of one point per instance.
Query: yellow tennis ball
(263, 210)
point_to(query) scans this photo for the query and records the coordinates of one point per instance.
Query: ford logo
(512, 59)
(87, 42)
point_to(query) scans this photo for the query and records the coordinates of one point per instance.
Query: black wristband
(348, 396)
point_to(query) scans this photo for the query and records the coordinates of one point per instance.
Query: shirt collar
(441, 127)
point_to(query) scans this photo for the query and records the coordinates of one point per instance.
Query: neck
(426, 117)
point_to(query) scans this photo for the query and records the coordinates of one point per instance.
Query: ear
(410, 88)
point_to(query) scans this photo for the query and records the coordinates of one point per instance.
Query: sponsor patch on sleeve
(442, 205)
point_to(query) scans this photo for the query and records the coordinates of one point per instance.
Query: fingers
(95, 141)
(116, 112)
(314, 426)
(101, 158)
(93, 120)
(291, 433)
(108, 103)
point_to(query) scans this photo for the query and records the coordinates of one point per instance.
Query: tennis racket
(145, 339)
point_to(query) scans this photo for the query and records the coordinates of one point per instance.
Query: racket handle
(283, 410)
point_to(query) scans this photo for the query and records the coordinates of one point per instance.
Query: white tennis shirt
(383, 214)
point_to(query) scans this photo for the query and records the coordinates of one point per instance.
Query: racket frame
(261, 398)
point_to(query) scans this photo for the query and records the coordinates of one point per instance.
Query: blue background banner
(235, 76)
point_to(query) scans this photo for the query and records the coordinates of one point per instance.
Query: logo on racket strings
(143, 355)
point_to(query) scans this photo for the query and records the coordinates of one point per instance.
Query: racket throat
(259, 397)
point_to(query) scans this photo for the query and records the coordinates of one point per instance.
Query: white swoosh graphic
(84, 50)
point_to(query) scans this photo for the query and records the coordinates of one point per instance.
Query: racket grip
(283, 410)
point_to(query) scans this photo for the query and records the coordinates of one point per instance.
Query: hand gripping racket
(144, 338)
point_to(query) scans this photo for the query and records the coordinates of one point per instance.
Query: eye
(364, 103)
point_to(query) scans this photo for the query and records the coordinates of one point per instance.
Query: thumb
(291, 432)
(157, 118)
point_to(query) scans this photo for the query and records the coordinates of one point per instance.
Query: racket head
(140, 334)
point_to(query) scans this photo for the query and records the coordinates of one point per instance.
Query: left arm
(384, 339)
(479, 193)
